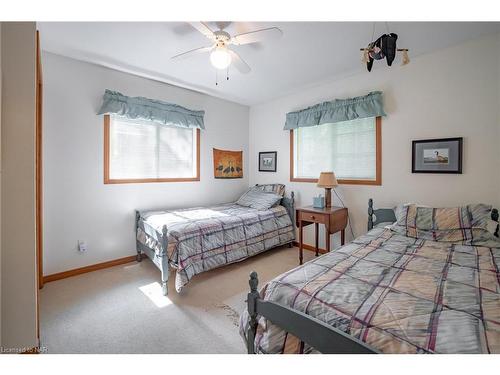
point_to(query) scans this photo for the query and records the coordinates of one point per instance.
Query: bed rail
(289, 204)
(314, 332)
(494, 217)
(381, 215)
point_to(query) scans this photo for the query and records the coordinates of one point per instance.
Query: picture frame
(441, 155)
(267, 161)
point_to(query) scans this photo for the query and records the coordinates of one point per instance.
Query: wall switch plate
(82, 246)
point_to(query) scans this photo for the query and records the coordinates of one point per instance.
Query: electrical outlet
(82, 246)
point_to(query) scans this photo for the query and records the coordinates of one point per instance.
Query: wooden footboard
(308, 329)
(319, 335)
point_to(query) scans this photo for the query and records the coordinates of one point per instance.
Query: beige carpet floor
(121, 309)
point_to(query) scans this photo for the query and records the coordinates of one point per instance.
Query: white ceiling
(308, 52)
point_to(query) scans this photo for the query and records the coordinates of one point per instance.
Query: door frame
(39, 179)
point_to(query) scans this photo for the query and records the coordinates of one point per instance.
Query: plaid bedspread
(395, 293)
(201, 239)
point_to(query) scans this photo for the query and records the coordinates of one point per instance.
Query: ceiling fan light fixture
(220, 58)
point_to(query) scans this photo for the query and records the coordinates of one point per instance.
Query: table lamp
(328, 181)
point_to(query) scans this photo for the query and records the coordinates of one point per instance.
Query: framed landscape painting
(437, 155)
(267, 161)
(228, 164)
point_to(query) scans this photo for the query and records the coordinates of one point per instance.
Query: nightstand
(333, 218)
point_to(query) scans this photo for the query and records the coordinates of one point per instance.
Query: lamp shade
(327, 180)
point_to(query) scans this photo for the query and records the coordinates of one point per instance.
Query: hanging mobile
(383, 48)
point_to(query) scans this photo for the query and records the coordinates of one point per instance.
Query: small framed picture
(437, 155)
(267, 161)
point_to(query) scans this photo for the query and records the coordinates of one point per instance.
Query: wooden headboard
(381, 215)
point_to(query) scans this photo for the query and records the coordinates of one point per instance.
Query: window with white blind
(351, 149)
(149, 152)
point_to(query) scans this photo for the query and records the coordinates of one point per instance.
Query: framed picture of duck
(228, 164)
(442, 155)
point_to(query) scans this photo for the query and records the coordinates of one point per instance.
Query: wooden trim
(378, 166)
(38, 165)
(198, 132)
(38, 183)
(125, 260)
(378, 150)
(309, 247)
(91, 268)
(106, 148)
(148, 180)
(108, 180)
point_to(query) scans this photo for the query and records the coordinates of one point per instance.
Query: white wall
(449, 93)
(77, 205)
(18, 272)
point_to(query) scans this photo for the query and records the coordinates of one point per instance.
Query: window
(351, 149)
(137, 151)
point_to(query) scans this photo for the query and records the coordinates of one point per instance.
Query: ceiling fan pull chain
(216, 78)
(227, 74)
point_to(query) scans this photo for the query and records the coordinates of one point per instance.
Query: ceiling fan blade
(257, 36)
(239, 63)
(192, 52)
(204, 29)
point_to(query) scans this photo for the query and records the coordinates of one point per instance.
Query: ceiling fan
(221, 56)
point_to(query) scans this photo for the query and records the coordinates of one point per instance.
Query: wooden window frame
(108, 180)
(378, 161)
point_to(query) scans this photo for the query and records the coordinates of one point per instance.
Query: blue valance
(337, 110)
(150, 110)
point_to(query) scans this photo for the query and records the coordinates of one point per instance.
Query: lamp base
(328, 197)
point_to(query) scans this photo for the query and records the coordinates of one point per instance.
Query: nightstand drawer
(314, 217)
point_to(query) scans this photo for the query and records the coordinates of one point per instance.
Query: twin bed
(429, 283)
(199, 239)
